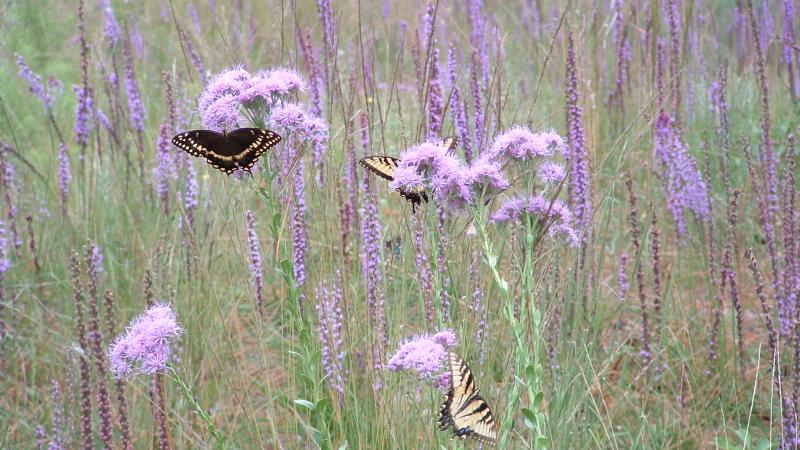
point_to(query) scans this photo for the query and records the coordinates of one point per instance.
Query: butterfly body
(385, 166)
(227, 151)
(463, 409)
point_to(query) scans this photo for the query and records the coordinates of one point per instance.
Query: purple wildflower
(329, 313)
(5, 265)
(34, 83)
(458, 108)
(194, 56)
(227, 86)
(299, 232)
(551, 173)
(165, 168)
(269, 85)
(477, 103)
(113, 32)
(424, 275)
(146, 342)
(435, 96)
(682, 182)
(623, 276)
(83, 115)
(190, 199)
(424, 354)
(256, 262)
(554, 215)
(64, 176)
(580, 196)
(137, 40)
(222, 114)
(195, 17)
(135, 104)
(521, 143)
(56, 416)
(789, 46)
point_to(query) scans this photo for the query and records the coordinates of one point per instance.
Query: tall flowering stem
(578, 157)
(256, 262)
(94, 259)
(85, 374)
(84, 107)
(122, 401)
(329, 314)
(635, 233)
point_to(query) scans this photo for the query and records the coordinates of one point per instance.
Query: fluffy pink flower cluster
(145, 345)
(452, 181)
(221, 103)
(425, 355)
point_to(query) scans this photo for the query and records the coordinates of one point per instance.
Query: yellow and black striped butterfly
(227, 151)
(384, 167)
(463, 410)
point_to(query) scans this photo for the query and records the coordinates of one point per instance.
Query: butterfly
(384, 167)
(227, 151)
(463, 410)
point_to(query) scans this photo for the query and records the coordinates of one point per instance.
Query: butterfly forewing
(384, 167)
(450, 143)
(228, 152)
(463, 409)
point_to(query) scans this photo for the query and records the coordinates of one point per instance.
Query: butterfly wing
(384, 167)
(450, 143)
(463, 409)
(251, 143)
(381, 165)
(239, 149)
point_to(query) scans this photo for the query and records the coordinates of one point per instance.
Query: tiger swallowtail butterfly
(228, 151)
(384, 167)
(463, 409)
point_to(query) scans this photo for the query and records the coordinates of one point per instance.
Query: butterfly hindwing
(450, 143)
(228, 152)
(463, 409)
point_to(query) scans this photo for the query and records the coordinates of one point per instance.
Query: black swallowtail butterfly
(227, 151)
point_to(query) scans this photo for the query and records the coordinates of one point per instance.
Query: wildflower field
(593, 203)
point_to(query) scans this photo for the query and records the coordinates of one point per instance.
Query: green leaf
(537, 401)
(530, 418)
(504, 285)
(343, 446)
(763, 444)
(304, 403)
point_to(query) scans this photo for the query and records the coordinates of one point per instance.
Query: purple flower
(145, 343)
(137, 40)
(165, 168)
(219, 103)
(64, 176)
(551, 173)
(270, 84)
(222, 114)
(135, 105)
(195, 17)
(299, 232)
(425, 355)
(484, 178)
(435, 97)
(256, 262)
(623, 276)
(5, 257)
(294, 118)
(521, 143)
(552, 214)
(190, 199)
(458, 108)
(113, 32)
(682, 182)
(579, 191)
(34, 82)
(83, 114)
(329, 313)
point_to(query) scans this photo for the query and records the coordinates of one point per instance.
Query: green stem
(187, 393)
